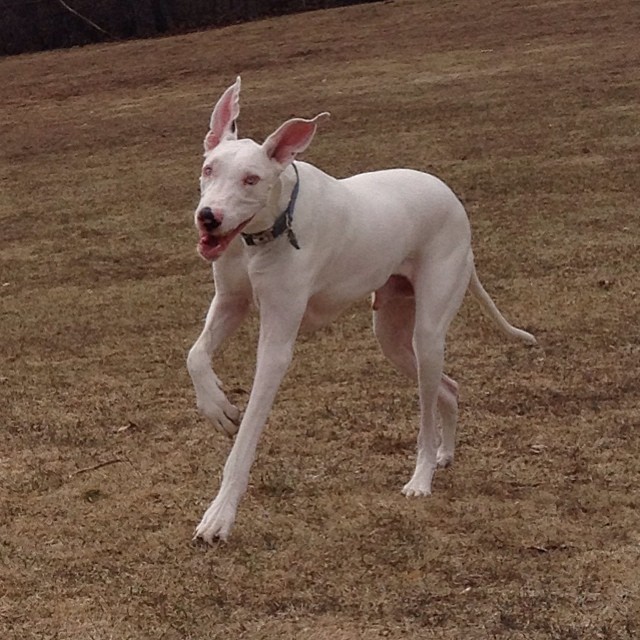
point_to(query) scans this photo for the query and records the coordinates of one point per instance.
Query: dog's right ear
(223, 119)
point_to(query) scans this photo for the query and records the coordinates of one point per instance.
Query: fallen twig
(95, 466)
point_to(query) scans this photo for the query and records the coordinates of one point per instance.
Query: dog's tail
(492, 312)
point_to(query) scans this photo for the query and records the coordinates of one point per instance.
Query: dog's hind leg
(393, 320)
(440, 281)
(393, 325)
(448, 409)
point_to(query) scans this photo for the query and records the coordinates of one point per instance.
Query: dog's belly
(321, 311)
(326, 305)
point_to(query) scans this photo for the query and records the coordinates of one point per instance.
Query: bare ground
(530, 112)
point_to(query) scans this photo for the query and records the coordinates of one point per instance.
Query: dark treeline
(34, 25)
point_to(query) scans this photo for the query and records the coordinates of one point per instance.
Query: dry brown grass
(530, 111)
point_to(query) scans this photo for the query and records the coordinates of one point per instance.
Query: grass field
(531, 112)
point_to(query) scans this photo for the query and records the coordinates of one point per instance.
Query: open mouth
(211, 246)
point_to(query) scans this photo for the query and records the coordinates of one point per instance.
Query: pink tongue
(221, 242)
(210, 241)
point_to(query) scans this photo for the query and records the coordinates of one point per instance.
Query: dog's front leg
(278, 329)
(226, 313)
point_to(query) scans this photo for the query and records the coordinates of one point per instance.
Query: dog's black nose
(208, 219)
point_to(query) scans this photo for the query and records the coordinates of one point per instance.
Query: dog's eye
(207, 171)
(251, 180)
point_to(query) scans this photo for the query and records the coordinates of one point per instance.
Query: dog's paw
(224, 416)
(415, 488)
(216, 523)
(444, 459)
(420, 483)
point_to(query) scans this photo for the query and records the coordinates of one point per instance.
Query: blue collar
(281, 225)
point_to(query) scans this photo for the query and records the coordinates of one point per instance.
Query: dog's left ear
(291, 138)
(223, 119)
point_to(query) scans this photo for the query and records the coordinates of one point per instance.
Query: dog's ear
(223, 119)
(291, 138)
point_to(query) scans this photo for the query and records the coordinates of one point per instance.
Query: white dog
(302, 246)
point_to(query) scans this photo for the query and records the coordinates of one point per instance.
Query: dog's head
(238, 176)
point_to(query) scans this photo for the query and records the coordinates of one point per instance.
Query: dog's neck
(278, 202)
